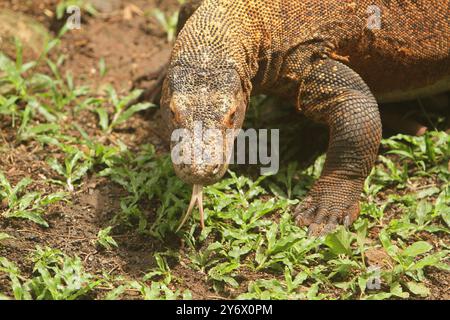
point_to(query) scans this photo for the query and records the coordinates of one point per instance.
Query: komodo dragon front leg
(333, 93)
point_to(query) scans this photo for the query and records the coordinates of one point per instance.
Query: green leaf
(187, 295)
(128, 113)
(4, 236)
(21, 185)
(340, 242)
(396, 290)
(417, 248)
(103, 118)
(430, 260)
(221, 271)
(427, 192)
(115, 293)
(27, 66)
(430, 148)
(102, 67)
(385, 240)
(272, 235)
(20, 292)
(55, 165)
(54, 197)
(283, 244)
(104, 239)
(423, 209)
(30, 215)
(403, 153)
(418, 289)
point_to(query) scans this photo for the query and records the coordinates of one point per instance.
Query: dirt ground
(132, 49)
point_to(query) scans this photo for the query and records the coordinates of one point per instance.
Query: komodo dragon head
(204, 107)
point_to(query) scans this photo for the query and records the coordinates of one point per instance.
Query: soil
(132, 48)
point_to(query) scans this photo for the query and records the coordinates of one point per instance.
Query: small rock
(378, 258)
(33, 35)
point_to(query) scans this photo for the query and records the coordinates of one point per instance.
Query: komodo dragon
(323, 56)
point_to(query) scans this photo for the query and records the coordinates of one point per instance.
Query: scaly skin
(321, 56)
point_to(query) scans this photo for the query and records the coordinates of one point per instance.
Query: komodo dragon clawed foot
(332, 202)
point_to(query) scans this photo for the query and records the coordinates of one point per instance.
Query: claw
(302, 220)
(304, 212)
(328, 229)
(321, 215)
(331, 202)
(352, 215)
(347, 221)
(322, 218)
(196, 198)
(315, 230)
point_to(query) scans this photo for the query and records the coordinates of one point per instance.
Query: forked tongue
(197, 197)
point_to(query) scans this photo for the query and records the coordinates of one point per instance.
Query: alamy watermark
(374, 20)
(211, 146)
(374, 281)
(74, 19)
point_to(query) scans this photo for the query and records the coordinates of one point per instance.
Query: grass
(26, 205)
(168, 22)
(251, 247)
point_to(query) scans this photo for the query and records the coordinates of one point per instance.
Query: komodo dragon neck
(221, 39)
